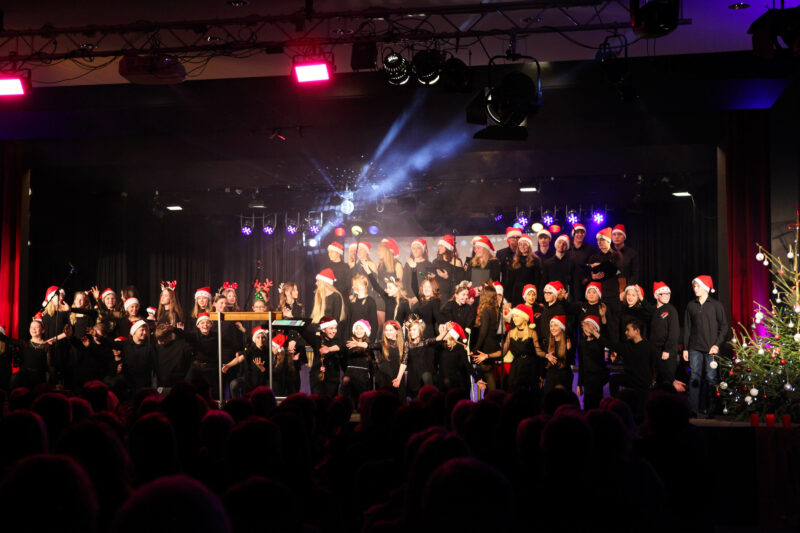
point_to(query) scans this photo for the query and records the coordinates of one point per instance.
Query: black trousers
(357, 380)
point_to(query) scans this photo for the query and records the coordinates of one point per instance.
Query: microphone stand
(72, 270)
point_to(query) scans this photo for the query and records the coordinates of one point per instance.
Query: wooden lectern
(235, 316)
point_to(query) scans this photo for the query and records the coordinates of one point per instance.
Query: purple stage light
(291, 229)
(548, 220)
(522, 220)
(572, 218)
(314, 229)
(373, 230)
(268, 230)
(598, 218)
(247, 230)
(498, 218)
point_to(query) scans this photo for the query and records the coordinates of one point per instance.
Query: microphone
(72, 268)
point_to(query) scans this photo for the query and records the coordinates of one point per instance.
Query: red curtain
(10, 237)
(747, 180)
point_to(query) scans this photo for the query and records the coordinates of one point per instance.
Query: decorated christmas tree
(765, 368)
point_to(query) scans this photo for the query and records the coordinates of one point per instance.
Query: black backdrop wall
(118, 242)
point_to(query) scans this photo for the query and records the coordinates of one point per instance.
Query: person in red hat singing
(506, 256)
(340, 267)
(580, 252)
(592, 369)
(525, 269)
(449, 268)
(665, 333)
(483, 265)
(328, 301)
(558, 370)
(329, 351)
(630, 257)
(705, 328)
(605, 268)
(486, 350)
(388, 268)
(417, 269)
(522, 351)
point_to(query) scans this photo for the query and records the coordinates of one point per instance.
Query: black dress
(392, 309)
(419, 360)
(430, 313)
(363, 309)
(357, 378)
(524, 275)
(35, 362)
(455, 274)
(285, 375)
(206, 358)
(524, 372)
(331, 361)
(386, 369)
(455, 367)
(592, 371)
(463, 314)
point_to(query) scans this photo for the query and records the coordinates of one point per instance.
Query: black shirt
(665, 329)
(630, 265)
(704, 325)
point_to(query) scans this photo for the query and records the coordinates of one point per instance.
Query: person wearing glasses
(664, 334)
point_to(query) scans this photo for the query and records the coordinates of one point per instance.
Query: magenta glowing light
(311, 72)
(11, 87)
(247, 230)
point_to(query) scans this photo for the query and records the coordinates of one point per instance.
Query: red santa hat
(367, 246)
(498, 287)
(544, 231)
(604, 233)
(258, 330)
(327, 322)
(578, 226)
(202, 292)
(705, 282)
(129, 302)
(136, 325)
(327, 276)
(554, 287)
(201, 317)
(659, 287)
(524, 311)
(457, 332)
(527, 239)
(50, 292)
(392, 245)
(38, 317)
(527, 288)
(364, 324)
(449, 242)
(336, 247)
(120, 339)
(563, 237)
(420, 242)
(637, 288)
(484, 242)
(278, 341)
(151, 311)
(106, 293)
(561, 320)
(513, 232)
(619, 228)
(593, 320)
(596, 286)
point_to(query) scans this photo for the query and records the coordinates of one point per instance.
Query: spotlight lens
(314, 229)
(547, 220)
(356, 230)
(373, 230)
(291, 229)
(347, 207)
(395, 67)
(426, 65)
(247, 230)
(537, 227)
(339, 232)
(572, 218)
(311, 72)
(522, 220)
(268, 230)
(313, 243)
(598, 218)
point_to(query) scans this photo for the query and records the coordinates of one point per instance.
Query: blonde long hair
(173, 311)
(387, 259)
(319, 301)
(73, 317)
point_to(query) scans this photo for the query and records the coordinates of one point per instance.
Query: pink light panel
(11, 87)
(311, 72)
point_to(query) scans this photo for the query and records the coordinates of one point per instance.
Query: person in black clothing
(664, 334)
(362, 306)
(429, 307)
(285, 366)
(387, 355)
(580, 252)
(638, 360)
(525, 269)
(254, 361)
(482, 266)
(543, 249)
(81, 316)
(328, 301)
(329, 351)
(634, 306)
(455, 368)
(554, 295)
(418, 358)
(523, 350)
(506, 256)
(357, 377)
(203, 340)
(138, 355)
(558, 370)
(173, 357)
(705, 327)
(630, 258)
(35, 358)
(395, 300)
(288, 301)
(7, 357)
(449, 268)
(458, 309)
(417, 269)
(605, 267)
(339, 267)
(560, 267)
(486, 348)
(55, 316)
(592, 369)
